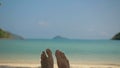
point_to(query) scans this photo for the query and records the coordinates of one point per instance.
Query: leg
(47, 60)
(44, 62)
(50, 58)
(62, 61)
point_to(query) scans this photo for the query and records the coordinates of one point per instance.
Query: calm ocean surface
(77, 51)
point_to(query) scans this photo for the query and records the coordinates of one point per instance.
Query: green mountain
(7, 35)
(60, 38)
(116, 37)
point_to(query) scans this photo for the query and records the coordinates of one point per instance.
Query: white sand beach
(16, 65)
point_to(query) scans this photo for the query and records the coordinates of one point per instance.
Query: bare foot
(44, 61)
(62, 61)
(47, 59)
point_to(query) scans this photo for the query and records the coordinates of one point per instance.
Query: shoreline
(26, 65)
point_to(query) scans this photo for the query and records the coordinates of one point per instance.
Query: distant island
(60, 38)
(7, 35)
(116, 37)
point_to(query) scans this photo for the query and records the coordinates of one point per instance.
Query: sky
(75, 19)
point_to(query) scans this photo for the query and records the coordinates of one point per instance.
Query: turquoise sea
(77, 51)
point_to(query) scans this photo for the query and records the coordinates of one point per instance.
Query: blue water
(77, 51)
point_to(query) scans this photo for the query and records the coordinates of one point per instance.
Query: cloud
(90, 30)
(104, 33)
(43, 24)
